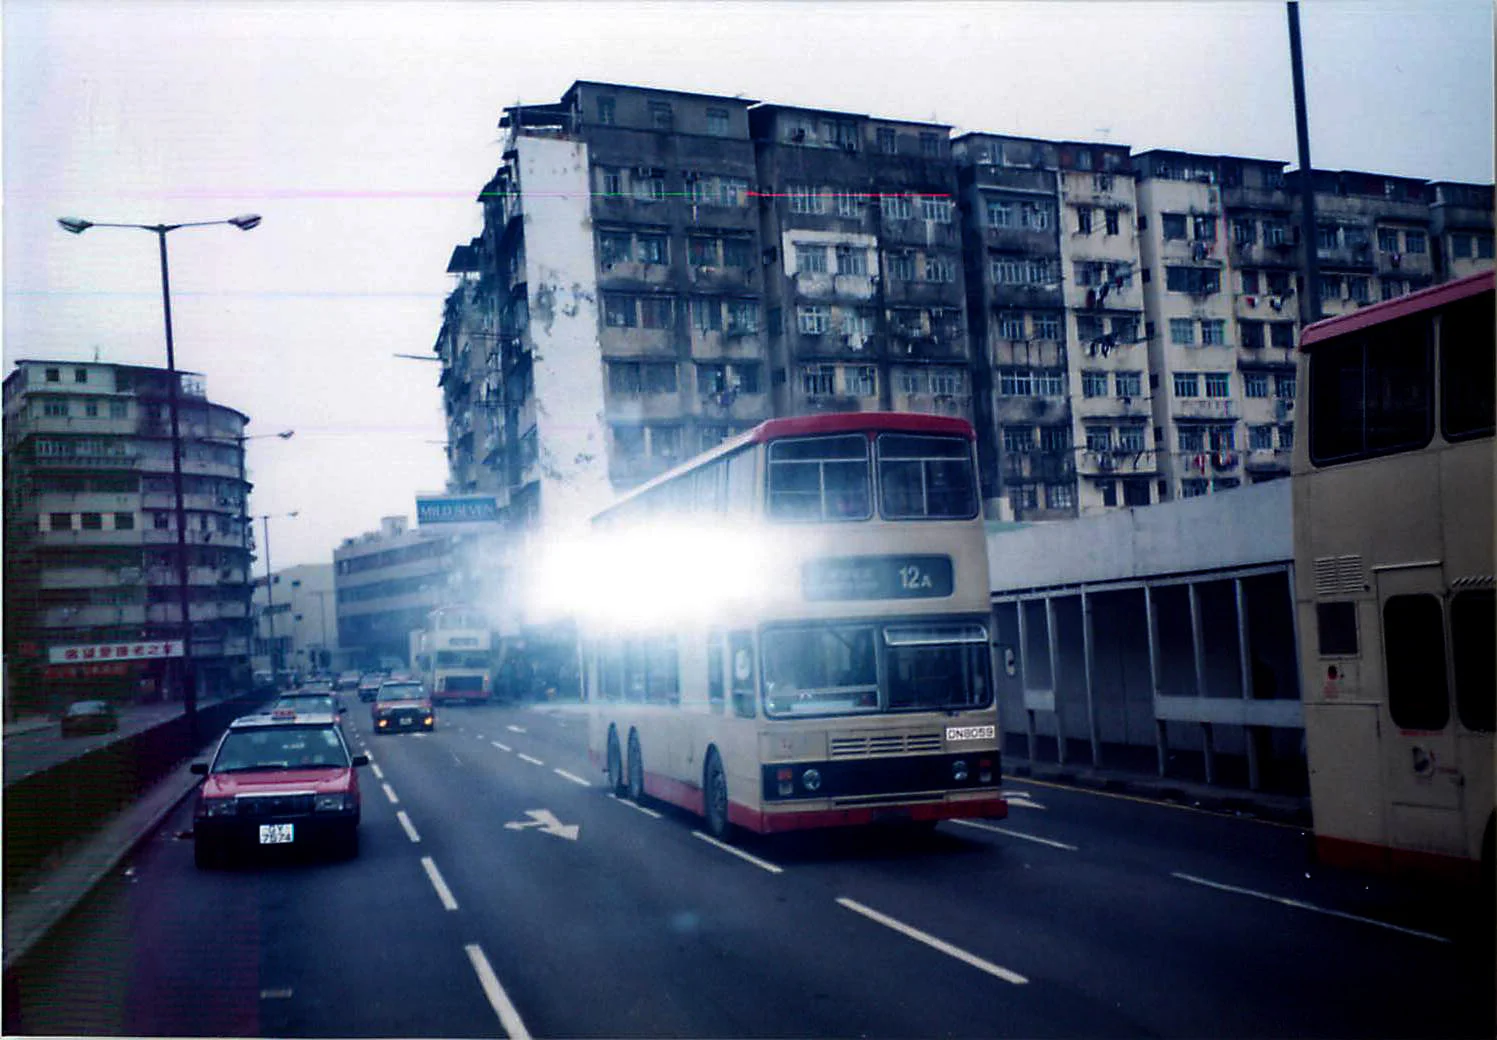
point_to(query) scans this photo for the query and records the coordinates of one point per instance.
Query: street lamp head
(286, 435)
(74, 225)
(246, 221)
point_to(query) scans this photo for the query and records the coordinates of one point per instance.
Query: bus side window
(1414, 646)
(741, 656)
(715, 672)
(1471, 624)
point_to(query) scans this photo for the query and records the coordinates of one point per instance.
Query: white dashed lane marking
(934, 943)
(1282, 901)
(509, 1018)
(979, 825)
(572, 777)
(410, 828)
(443, 892)
(755, 860)
(501, 747)
(635, 807)
(390, 794)
(532, 761)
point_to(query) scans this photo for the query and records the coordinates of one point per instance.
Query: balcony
(90, 538)
(89, 462)
(1112, 407)
(1117, 462)
(1258, 254)
(1046, 467)
(1266, 460)
(1224, 408)
(958, 405)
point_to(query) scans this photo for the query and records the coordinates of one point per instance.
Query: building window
(814, 320)
(1055, 438)
(1000, 214)
(161, 521)
(1015, 382)
(1042, 273)
(857, 322)
(1193, 488)
(656, 312)
(852, 260)
(1093, 384)
(1415, 241)
(1203, 229)
(1173, 226)
(653, 249)
(1083, 220)
(1060, 496)
(1276, 234)
(743, 317)
(92, 521)
(848, 204)
(607, 108)
(717, 122)
(80, 375)
(91, 409)
(1046, 326)
(54, 375)
(1131, 438)
(1182, 331)
(124, 521)
(1483, 247)
(736, 252)
(810, 259)
(936, 208)
(1198, 281)
(1330, 287)
(1387, 240)
(55, 408)
(660, 115)
(706, 314)
(1244, 232)
(1102, 182)
(624, 377)
(860, 380)
(1250, 282)
(1192, 439)
(1022, 497)
(804, 199)
(1286, 437)
(948, 381)
(613, 183)
(902, 267)
(1460, 246)
(1011, 326)
(701, 252)
(1187, 384)
(1113, 220)
(1260, 438)
(1222, 438)
(885, 140)
(1127, 384)
(1252, 334)
(665, 442)
(619, 311)
(1281, 334)
(746, 377)
(1284, 387)
(119, 409)
(940, 269)
(1050, 383)
(1036, 216)
(60, 521)
(1255, 384)
(818, 380)
(1099, 438)
(1327, 237)
(895, 207)
(930, 145)
(1218, 384)
(1359, 288)
(1213, 332)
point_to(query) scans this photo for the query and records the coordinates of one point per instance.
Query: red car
(281, 779)
(403, 705)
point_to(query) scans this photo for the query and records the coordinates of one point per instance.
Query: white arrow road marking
(443, 892)
(548, 824)
(509, 1018)
(572, 777)
(515, 729)
(410, 828)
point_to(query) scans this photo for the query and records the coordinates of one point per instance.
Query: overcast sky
(363, 131)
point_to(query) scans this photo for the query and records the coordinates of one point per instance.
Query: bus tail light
(785, 778)
(984, 771)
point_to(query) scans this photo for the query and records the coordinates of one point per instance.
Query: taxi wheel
(636, 770)
(615, 764)
(715, 797)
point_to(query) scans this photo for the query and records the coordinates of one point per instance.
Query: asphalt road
(474, 909)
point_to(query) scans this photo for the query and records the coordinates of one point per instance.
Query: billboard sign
(445, 510)
(142, 650)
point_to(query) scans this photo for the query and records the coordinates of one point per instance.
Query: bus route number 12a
(915, 579)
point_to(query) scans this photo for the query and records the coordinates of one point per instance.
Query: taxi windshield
(402, 692)
(304, 703)
(280, 747)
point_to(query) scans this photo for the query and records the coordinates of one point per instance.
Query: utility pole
(1309, 304)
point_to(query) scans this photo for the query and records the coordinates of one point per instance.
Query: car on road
(347, 681)
(283, 779)
(369, 685)
(89, 717)
(317, 686)
(403, 705)
(304, 701)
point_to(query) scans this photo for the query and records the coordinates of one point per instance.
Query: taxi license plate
(406, 721)
(276, 833)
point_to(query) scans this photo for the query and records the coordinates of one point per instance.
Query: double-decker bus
(792, 630)
(1393, 552)
(453, 656)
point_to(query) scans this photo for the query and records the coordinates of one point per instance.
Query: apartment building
(296, 619)
(863, 264)
(1460, 229)
(90, 528)
(385, 584)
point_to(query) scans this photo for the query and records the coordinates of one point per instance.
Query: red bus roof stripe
(1401, 307)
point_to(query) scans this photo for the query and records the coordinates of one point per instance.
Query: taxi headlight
(331, 803)
(218, 807)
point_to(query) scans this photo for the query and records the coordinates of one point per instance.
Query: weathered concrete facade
(1460, 229)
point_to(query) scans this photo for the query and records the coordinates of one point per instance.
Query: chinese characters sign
(141, 650)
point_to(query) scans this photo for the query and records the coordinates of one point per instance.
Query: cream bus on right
(1393, 554)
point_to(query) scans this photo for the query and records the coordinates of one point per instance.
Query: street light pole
(247, 222)
(265, 519)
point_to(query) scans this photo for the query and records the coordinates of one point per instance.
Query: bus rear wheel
(615, 764)
(636, 770)
(715, 797)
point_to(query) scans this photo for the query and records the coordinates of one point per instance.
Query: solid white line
(1014, 834)
(515, 729)
(931, 941)
(572, 777)
(410, 828)
(509, 1018)
(443, 892)
(632, 805)
(501, 747)
(755, 860)
(1308, 906)
(532, 761)
(390, 794)
(379, 774)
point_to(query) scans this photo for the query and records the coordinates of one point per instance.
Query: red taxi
(280, 779)
(402, 705)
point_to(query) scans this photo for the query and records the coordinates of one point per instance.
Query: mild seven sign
(457, 509)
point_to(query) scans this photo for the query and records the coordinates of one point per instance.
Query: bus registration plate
(971, 732)
(276, 833)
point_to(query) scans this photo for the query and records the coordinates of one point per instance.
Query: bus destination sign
(877, 577)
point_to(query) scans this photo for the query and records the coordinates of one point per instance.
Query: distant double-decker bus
(792, 630)
(453, 656)
(1393, 551)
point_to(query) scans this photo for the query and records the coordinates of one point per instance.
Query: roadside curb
(32, 915)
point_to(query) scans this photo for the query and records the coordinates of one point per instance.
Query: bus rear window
(1371, 392)
(926, 478)
(820, 478)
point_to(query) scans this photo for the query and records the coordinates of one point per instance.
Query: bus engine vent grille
(1338, 574)
(883, 744)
